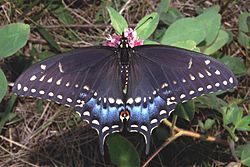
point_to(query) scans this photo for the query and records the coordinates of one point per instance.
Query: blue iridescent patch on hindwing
(146, 113)
(102, 114)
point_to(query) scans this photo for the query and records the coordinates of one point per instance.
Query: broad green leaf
(147, 25)
(243, 26)
(12, 38)
(201, 124)
(210, 101)
(49, 38)
(185, 110)
(226, 115)
(171, 16)
(215, 8)
(189, 44)
(8, 115)
(219, 42)
(63, 15)
(163, 7)
(232, 114)
(244, 40)
(122, 152)
(237, 114)
(231, 36)
(150, 42)
(236, 64)
(183, 30)
(4, 85)
(117, 21)
(240, 148)
(209, 124)
(243, 124)
(245, 155)
(212, 21)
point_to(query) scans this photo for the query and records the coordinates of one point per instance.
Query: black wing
(162, 76)
(86, 79)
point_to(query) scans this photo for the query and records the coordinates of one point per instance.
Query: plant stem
(177, 132)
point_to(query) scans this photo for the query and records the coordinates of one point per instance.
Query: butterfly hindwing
(102, 109)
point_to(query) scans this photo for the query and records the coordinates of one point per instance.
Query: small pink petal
(133, 40)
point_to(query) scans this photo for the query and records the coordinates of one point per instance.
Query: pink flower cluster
(133, 40)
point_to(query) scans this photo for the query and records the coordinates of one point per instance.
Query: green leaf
(215, 8)
(150, 42)
(185, 110)
(171, 16)
(163, 6)
(4, 85)
(201, 124)
(183, 30)
(122, 152)
(244, 40)
(226, 115)
(243, 124)
(210, 101)
(117, 21)
(238, 150)
(236, 64)
(212, 21)
(7, 115)
(147, 25)
(220, 41)
(63, 15)
(237, 114)
(49, 38)
(209, 124)
(245, 155)
(232, 114)
(12, 38)
(189, 44)
(243, 26)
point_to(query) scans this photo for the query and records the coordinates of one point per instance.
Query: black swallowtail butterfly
(138, 85)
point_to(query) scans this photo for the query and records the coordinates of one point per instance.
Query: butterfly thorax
(124, 51)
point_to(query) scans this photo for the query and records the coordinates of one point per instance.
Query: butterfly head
(124, 43)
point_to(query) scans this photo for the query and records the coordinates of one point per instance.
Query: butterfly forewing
(188, 74)
(62, 75)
